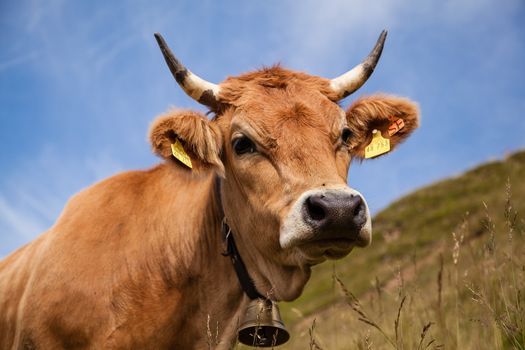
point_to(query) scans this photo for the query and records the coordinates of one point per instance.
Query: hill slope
(413, 247)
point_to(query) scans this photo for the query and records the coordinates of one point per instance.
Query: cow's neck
(212, 300)
(273, 280)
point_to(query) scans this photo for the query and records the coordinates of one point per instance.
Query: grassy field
(446, 270)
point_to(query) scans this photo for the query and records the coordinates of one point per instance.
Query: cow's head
(283, 146)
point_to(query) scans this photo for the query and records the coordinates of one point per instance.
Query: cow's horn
(352, 80)
(197, 88)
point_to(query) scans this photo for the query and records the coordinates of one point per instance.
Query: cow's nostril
(358, 211)
(359, 208)
(315, 209)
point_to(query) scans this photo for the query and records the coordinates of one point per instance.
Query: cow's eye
(242, 145)
(346, 134)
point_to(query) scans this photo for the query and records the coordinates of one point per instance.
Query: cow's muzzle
(336, 218)
(335, 215)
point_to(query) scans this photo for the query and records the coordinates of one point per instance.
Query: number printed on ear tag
(178, 152)
(377, 146)
(397, 124)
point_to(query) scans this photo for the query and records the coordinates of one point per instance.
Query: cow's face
(282, 146)
(287, 148)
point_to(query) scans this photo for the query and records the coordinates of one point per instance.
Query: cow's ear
(192, 135)
(394, 117)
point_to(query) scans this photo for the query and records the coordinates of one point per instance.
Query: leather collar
(243, 276)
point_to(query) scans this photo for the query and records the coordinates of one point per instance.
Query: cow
(137, 261)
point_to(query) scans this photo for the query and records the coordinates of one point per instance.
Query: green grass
(481, 294)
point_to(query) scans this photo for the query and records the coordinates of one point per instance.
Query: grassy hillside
(449, 255)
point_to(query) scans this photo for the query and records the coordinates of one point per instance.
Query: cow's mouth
(331, 244)
(321, 249)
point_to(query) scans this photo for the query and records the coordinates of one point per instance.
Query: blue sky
(80, 82)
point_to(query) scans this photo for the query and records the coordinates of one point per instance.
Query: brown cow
(134, 262)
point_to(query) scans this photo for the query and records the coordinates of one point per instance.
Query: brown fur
(234, 89)
(134, 261)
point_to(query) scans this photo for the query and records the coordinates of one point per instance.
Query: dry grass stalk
(423, 335)
(400, 281)
(314, 345)
(368, 342)
(379, 292)
(274, 338)
(511, 215)
(458, 241)
(396, 322)
(440, 281)
(209, 336)
(490, 226)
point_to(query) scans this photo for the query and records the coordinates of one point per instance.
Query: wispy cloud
(14, 61)
(35, 192)
(38, 11)
(344, 27)
(17, 222)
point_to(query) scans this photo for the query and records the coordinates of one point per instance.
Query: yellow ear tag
(377, 146)
(178, 152)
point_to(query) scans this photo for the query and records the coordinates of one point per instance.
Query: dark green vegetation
(446, 270)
